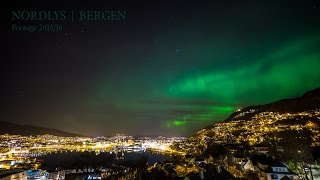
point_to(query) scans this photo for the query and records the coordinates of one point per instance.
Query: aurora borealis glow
(294, 66)
(167, 70)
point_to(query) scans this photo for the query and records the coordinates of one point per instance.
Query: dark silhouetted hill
(309, 101)
(26, 130)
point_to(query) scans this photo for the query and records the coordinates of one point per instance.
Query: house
(209, 159)
(238, 159)
(210, 171)
(248, 165)
(269, 168)
(275, 171)
(261, 149)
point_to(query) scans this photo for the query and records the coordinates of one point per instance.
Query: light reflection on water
(68, 159)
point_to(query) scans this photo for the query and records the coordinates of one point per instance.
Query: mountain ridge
(308, 101)
(27, 130)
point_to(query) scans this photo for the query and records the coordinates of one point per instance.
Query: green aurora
(285, 73)
(195, 100)
(276, 75)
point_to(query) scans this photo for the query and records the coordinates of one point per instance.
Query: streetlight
(302, 164)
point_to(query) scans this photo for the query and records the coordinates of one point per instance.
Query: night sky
(169, 68)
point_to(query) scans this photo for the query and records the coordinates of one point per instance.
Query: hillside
(283, 122)
(309, 101)
(26, 130)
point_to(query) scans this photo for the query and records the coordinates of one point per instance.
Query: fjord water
(70, 160)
